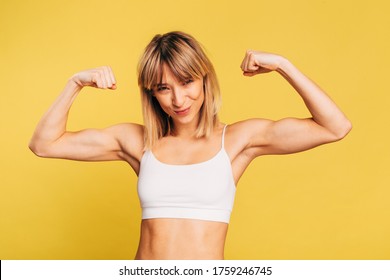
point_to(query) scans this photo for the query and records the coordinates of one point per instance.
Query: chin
(184, 119)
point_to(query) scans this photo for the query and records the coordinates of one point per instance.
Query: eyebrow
(160, 84)
(166, 84)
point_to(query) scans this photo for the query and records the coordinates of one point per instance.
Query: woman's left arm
(327, 124)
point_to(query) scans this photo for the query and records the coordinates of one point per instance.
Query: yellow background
(332, 202)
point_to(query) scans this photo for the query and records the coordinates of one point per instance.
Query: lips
(182, 112)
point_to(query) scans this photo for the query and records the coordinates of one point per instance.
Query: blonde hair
(185, 58)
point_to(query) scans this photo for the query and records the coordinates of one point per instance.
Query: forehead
(167, 76)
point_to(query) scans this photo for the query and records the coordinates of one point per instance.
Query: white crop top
(202, 191)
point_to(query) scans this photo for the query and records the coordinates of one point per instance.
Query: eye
(162, 88)
(189, 81)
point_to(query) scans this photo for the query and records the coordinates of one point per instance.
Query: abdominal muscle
(181, 239)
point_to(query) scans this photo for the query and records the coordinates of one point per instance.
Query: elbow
(34, 148)
(343, 130)
(37, 149)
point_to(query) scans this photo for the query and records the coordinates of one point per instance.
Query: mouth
(182, 112)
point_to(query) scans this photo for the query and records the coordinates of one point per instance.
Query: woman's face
(181, 100)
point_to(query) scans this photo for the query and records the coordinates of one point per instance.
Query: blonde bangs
(180, 60)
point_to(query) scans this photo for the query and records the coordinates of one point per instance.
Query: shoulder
(133, 128)
(130, 137)
(125, 130)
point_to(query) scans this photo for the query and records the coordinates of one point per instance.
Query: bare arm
(51, 139)
(327, 123)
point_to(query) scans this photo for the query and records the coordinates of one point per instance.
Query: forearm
(323, 110)
(53, 123)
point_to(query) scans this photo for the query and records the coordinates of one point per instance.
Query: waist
(181, 239)
(175, 212)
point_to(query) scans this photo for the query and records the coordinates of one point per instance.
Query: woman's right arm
(51, 139)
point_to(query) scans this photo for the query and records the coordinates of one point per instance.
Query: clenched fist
(101, 77)
(256, 62)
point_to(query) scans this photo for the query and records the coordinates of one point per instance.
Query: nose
(178, 97)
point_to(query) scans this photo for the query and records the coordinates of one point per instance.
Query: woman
(187, 161)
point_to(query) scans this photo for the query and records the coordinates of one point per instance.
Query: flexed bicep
(291, 135)
(112, 143)
(327, 123)
(52, 140)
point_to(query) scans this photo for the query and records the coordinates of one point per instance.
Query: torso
(172, 238)
(181, 239)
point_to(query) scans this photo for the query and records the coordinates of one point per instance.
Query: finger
(96, 80)
(112, 75)
(249, 74)
(252, 65)
(109, 74)
(245, 61)
(260, 70)
(102, 79)
(107, 77)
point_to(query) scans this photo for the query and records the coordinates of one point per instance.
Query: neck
(185, 130)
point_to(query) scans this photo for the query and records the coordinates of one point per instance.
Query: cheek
(162, 100)
(198, 94)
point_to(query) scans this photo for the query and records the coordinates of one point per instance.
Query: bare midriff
(177, 239)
